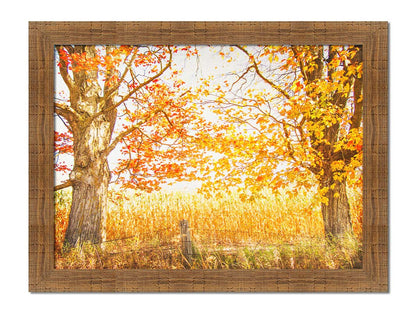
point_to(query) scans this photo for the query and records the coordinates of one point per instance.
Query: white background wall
(14, 151)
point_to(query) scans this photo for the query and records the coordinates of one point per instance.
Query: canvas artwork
(208, 157)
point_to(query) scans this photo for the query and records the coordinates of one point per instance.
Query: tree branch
(128, 95)
(242, 75)
(64, 122)
(67, 112)
(126, 132)
(63, 185)
(256, 68)
(117, 85)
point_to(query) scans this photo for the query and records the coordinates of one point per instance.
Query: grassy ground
(267, 231)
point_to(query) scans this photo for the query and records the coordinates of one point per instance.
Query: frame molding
(373, 277)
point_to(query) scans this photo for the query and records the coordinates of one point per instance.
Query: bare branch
(66, 109)
(256, 68)
(242, 75)
(65, 123)
(63, 185)
(67, 112)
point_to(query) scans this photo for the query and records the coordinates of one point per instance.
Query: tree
(293, 114)
(117, 96)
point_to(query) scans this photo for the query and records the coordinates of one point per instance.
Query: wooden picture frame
(43, 36)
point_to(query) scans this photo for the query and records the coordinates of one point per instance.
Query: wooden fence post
(186, 243)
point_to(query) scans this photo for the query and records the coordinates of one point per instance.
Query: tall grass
(265, 231)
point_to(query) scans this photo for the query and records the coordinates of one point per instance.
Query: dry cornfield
(264, 231)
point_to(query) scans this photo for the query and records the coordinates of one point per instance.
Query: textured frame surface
(373, 36)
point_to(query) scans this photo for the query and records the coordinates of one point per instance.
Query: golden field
(275, 231)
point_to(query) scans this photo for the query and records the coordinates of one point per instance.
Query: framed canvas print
(208, 157)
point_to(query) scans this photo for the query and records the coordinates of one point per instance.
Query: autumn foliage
(273, 146)
(291, 116)
(152, 115)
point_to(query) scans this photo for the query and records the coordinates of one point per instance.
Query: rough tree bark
(92, 135)
(90, 178)
(336, 211)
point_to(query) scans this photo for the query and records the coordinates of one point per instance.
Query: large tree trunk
(86, 222)
(336, 210)
(90, 178)
(91, 175)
